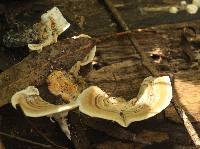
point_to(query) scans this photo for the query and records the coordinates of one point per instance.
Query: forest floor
(171, 42)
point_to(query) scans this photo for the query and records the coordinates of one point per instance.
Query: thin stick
(102, 38)
(42, 135)
(152, 69)
(38, 131)
(25, 140)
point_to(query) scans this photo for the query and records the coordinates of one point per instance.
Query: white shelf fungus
(52, 24)
(34, 106)
(154, 96)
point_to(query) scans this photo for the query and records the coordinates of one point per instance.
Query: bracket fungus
(51, 25)
(34, 106)
(154, 95)
(67, 85)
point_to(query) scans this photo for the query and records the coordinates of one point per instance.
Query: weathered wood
(187, 84)
(125, 80)
(142, 133)
(33, 70)
(121, 77)
(78, 131)
(126, 66)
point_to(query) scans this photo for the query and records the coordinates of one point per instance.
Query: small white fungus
(173, 10)
(183, 3)
(191, 8)
(52, 24)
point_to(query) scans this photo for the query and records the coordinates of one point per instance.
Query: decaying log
(87, 132)
(128, 76)
(123, 77)
(33, 70)
(124, 74)
(154, 71)
(131, 135)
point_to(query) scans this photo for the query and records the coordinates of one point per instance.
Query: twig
(162, 8)
(39, 132)
(152, 69)
(146, 63)
(25, 140)
(45, 137)
(102, 38)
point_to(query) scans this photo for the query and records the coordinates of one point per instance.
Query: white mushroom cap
(34, 106)
(155, 95)
(51, 26)
(55, 16)
(183, 3)
(173, 9)
(191, 9)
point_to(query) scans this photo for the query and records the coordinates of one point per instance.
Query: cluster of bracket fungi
(154, 95)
